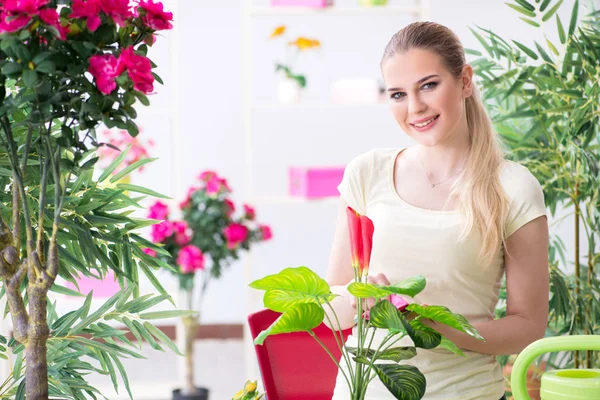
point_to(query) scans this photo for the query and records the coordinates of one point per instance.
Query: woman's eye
(429, 85)
(398, 95)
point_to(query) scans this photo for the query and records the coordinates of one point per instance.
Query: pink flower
(159, 210)
(249, 212)
(154, 16)
(150, 252)
(185, 203)
(205, 176)
(190, 259)
(50, 17)
(16, 14)
(118, 10)
(181, 229)
(105, 68)
(235, 234)
(398, 302)
(13, 24)
(139, 69)
(88, 9)
(29, 7)
(265, 232)
(162, 231)
(229, 207)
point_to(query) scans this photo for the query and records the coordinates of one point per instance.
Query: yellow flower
(305, 43)
(250, 387)
(238, 395)
(280, 30)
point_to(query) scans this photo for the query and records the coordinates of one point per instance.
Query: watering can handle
(542, 346)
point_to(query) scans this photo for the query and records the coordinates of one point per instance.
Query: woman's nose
(416, 105)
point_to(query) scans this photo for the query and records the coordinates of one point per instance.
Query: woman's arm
(527, 286)
(339, 273)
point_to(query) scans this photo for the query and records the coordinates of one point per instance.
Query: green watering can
(564, 384)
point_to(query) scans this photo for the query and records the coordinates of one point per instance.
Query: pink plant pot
(315, 182)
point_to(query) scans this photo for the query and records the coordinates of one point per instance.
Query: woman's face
(426, 100)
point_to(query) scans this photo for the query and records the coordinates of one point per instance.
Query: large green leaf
(449, 345)
(292, 286)
(301, 317)
(422, 335)
(405, 382)
(409, 287)
(384, 315)
(445, 316)
(395, 354)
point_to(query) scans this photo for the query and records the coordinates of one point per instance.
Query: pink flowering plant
(121, 139)
(211, 234)
(68, 67)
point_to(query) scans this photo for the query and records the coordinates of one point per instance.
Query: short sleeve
(353, 187)
(525, 197)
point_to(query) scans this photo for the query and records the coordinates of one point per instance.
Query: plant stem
(576, 360)
(311, 333)
(339, 340)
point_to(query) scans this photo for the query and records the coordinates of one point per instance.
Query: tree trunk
(190, 328)
(37, 336)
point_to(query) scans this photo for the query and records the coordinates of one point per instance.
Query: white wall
(197, 116)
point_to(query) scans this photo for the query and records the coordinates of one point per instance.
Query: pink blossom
(182, 235)
(205, 176)
(190, 259)
(154, 16)
(13, 24)
(229, 207)
(266, 232)
(29, 7)
(50, 17)
(398, 302)
(249, 212)
(118, 10)
(88, 9)
(185, 203)
(105, 68)
(139, 69)
(16, 14)
(161, 232)
(158, 210)
(150, 252)
(235, 234)
(225, 185)
(213, 186)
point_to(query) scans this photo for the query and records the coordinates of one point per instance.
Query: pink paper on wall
(102, 288)
(302, 3)
(315, 182)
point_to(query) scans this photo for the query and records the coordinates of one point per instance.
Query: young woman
(450, 208)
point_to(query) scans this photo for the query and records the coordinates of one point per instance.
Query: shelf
(333, 10)
(311, 105)
(295, 200)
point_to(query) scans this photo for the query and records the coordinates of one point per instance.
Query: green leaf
(531, 22)
(526, 4)
(11, 68)
(543, 53)
(395, 354)
(139, 189)
(573, 22)
(155, 282)
(29, 78)
(146, 335)
(526, 50)
(99, 313)
(123, 373)
(384, 315)
(168, 314)
(113, 165)
(292, 286)
(160, 335)
(448, 345)
(21, 391)
(18, 366)
(131, 168)
(522, 10)
(46, 67)
(481, 40)
(63, 290)
(409, 287)
(445, 316)
(552, 47)
(422, 335)
(405, 382)
(302, 317)
(545, 3)
(552, 11)
(111, 370)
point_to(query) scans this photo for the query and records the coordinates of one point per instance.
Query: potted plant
(544, 100)
(301, 297)
(66, 67)
(205, 241)
(249, 392)
(291, 83)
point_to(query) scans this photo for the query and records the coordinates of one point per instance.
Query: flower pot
(201, 394)
(288, 91)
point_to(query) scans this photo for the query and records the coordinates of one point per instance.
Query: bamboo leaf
(522, 10)
(573, 21)
(113, 165)
(552, 47)
(131, 168)
(160, 335)
(544, 5)
(531, 22)
(526, 4)
(66, 291)
(552, 11)
(155, 282)
(140, 189)
(168, 314)
(526, 50)
(123, 373)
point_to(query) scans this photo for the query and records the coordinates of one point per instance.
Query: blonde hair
(478, 192)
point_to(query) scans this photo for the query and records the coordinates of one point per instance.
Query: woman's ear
(467, 81)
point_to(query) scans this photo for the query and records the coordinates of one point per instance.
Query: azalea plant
(293, 48)
(301, 297)
(249, 392)
(66, 67)
(208, 238)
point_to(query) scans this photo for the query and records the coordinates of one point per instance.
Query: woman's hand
(377, 279)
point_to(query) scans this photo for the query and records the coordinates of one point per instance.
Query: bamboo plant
(66, 67)
(544, 99)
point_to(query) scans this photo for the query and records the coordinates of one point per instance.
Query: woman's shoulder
(374, 157)
(517, 180)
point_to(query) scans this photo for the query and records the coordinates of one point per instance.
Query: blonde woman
(450, 208)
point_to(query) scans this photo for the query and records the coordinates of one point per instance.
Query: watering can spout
(561, 384)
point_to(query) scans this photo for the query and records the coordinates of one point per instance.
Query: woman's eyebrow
(416, 83)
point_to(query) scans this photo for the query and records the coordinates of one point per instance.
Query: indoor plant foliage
(208, 238)
(301, 297)
(249, 392)
(544, 99)
(66, 67)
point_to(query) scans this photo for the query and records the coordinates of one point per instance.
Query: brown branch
(16, 216)
(12, 283)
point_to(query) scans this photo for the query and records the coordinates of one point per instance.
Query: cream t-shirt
(410, 241)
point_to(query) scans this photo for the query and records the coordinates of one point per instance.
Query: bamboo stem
(576, 360)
